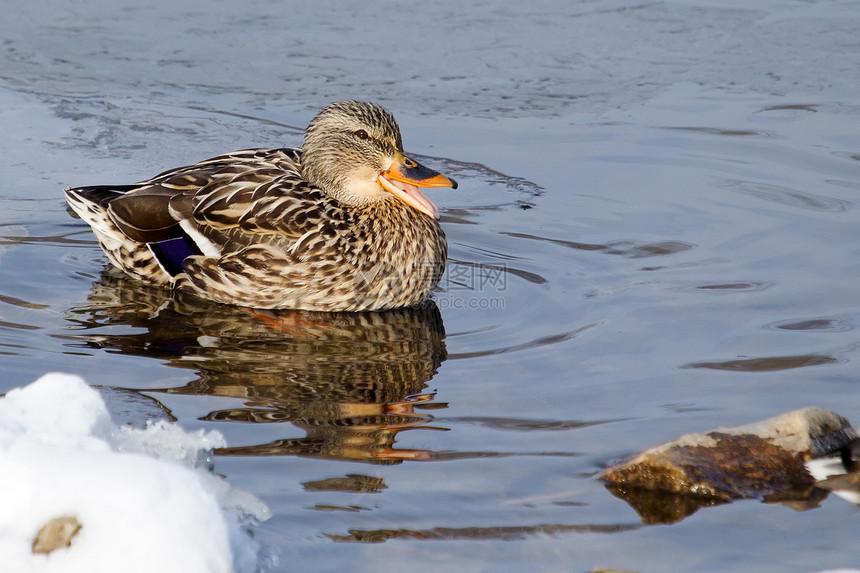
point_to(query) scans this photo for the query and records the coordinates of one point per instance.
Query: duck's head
(353, 152)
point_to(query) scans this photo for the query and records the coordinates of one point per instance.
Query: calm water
(655, 233)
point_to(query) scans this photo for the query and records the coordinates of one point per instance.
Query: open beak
(404, 178)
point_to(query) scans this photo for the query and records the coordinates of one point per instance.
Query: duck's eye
(361, 134)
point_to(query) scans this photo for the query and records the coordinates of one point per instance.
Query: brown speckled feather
(267, 238)
(339, 225)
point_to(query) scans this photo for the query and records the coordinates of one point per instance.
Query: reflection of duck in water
(338, 225)
(351, 381)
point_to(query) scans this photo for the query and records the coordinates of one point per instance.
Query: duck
(337, 225)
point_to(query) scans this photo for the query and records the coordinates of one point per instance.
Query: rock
(762, 459)
(55, 534)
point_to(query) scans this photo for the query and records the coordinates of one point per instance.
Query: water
(655, 233)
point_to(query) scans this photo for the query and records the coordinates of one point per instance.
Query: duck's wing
(265, 204)
(214, 208)
(261, 239)
(266, 239)
(215, 201)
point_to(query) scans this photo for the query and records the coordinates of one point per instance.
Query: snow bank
(142, 500)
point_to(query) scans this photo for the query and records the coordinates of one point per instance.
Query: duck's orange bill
(404, 178)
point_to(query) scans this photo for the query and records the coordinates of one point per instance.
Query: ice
(141, 496)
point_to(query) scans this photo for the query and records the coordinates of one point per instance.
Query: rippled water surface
(655, 233)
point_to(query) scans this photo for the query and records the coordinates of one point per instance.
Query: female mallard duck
(338, 225)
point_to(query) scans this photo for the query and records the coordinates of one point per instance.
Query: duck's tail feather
(94, 206)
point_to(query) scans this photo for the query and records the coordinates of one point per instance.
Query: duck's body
(338, 225)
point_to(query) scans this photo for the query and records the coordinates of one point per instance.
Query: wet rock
(763, 459)
(55, 534)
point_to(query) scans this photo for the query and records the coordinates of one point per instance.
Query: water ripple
(504, 533)
(624, 248)
(17, 326)
(519, 424)
(22, 303)
(786, 196)
(721, 131)
(813, 325)
(791, 108)
(767, 364)
(537, 342)
(727, 287)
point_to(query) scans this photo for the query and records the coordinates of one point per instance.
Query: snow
(143, 497)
